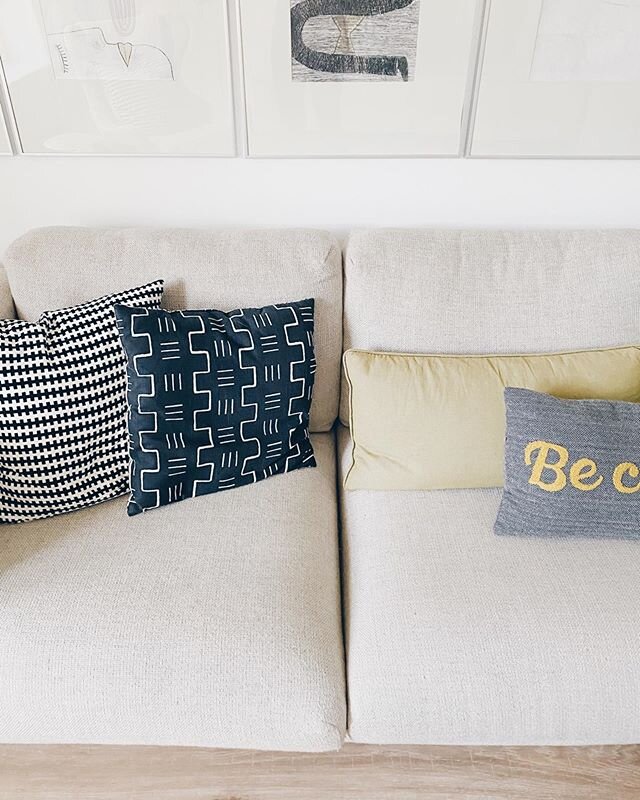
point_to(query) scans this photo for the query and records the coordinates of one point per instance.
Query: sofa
(290, 614)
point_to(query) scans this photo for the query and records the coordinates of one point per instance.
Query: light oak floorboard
(357, 772)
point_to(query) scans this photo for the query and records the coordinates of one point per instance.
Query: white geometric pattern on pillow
(63, 412)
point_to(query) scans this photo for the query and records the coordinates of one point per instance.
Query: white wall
(333, 194)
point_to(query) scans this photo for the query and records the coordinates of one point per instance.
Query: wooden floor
(358, 772)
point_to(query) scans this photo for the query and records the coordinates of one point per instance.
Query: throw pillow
(572, 467)
(63, 411)
(437, 422)
(216, 400)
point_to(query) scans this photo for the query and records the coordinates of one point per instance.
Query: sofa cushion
(228, 393)
(466, 291)
(570, 467)
(63, 409)
(56, 267)
(7, 311)
(438, 422)
(457, 636)
(213, 624)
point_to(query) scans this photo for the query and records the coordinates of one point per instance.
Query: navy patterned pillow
(216, 400)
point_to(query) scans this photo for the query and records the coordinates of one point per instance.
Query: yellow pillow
(438, 422)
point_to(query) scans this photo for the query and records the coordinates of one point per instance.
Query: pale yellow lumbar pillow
(438, 422)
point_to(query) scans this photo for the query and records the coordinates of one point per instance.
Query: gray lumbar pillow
(572, 467)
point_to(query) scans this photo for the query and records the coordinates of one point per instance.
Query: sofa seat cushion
(212, 623)
(457, 636)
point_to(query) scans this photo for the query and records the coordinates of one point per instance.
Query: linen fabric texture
(63, 410)
(218, 626)
(209, 624)
(457, 636)
(7, 311)
(216, 400)
(214, 268)
(438, 421)
(489, 291)
(454, 635)
(570, 467)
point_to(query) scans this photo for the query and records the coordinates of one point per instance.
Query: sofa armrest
(7, 309)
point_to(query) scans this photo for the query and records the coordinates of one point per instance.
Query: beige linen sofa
(219, 622)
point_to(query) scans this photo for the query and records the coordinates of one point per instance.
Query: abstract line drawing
(338, 40)
(587, 40)
(123, 16)
(85, 54)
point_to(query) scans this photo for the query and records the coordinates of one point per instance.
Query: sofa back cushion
(50, 268)
(466, 291)
(7, 310)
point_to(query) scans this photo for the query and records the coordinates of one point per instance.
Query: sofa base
(370, 772)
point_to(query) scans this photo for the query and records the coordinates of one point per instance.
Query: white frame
(516, 117)
(5, 142)
(8, 134)
(223, 142)
(474, 124)
(271, 125)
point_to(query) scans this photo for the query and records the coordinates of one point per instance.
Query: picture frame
(5, 142)
(125, 77)
(6, 145)
(559, 79)
(388, 79)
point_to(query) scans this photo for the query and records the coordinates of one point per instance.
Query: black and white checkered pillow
(63, 410)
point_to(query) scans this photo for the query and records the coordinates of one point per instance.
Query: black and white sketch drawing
(342, 40)
(123, 16)
(119, 76)
(587, 40)
(85, 54)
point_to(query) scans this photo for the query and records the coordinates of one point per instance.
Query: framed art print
(355, 77)
(119, 76)
(560, 78)
(5, 144)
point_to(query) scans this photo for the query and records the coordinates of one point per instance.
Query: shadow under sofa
(219, 623)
